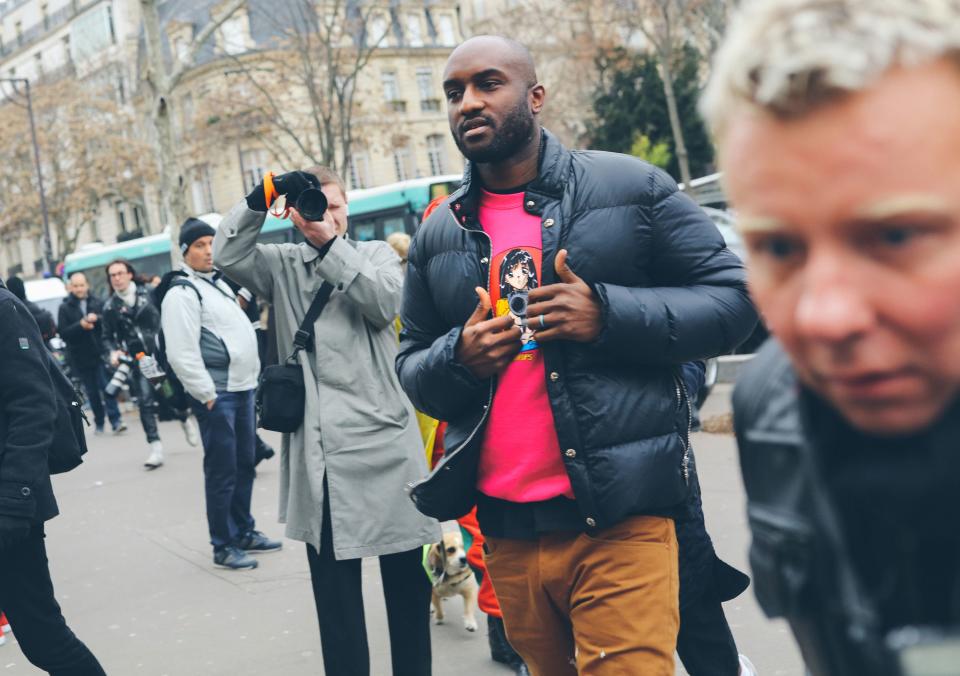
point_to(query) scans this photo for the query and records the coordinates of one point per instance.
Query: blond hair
(400, 241)
(789, 57)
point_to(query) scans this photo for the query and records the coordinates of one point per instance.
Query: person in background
(212, 348)
(79, 323)
(837, 128)
(45, 321)
(131, 320)
(28, 429)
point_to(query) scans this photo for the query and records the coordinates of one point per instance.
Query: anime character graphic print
(519, 274)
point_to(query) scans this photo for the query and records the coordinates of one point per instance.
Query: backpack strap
(183, 281)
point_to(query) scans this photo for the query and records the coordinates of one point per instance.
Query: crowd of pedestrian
(527, 364)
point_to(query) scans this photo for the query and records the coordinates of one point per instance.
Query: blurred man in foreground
(848, 422)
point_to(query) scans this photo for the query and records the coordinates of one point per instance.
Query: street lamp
(47, 246)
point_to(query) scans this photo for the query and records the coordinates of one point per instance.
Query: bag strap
(304, 335)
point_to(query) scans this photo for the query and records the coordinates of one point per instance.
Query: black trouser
(94, 379)
(26, 596)
(141, 388)
(705, 644)
(337, 590)
(228, 432)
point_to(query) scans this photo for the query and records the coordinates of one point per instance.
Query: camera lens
(312, 204)
(518, 304)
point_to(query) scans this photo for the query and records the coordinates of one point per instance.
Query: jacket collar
(552, 177)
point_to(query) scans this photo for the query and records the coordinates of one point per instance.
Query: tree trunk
(171, 198)
(679, 145)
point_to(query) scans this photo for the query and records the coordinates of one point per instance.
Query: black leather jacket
(128, 328)
(804, 554)
(670, 292)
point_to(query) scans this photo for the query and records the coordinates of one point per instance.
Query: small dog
(453, 575)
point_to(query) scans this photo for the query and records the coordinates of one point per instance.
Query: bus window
(442, 189)
(393, 224)
(365, 231)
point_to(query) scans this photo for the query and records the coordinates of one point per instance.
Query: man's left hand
(570, 309)
(318, 233)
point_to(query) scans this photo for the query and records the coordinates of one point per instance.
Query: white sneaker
(155, 459)
(191, 431)
(746, 667)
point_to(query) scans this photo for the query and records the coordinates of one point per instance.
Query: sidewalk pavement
(132, 567)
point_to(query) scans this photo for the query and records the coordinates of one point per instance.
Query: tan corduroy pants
(599, 604)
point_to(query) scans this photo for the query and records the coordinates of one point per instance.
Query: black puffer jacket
(670, 293)
(28, 416)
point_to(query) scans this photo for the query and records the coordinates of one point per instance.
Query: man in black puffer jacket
(568, 414)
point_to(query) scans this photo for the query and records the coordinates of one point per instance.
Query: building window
(233, 34)
(479, 10)
(447, 37)
(38, 63)
(13, 251)
(138, 219)
(181, 49)
(67, 57)
(379, 27)
(46, 16)
(391, 91)
(18, 27)
(414, 30)
(359, 170)
(121, 217)
(437, 154)
(403, 163)
(252, 166)
(202, 189)
(121, 90)
(187, 112)
(429, 102)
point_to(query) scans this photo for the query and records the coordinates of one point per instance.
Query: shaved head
(500, 52)
(493, 99)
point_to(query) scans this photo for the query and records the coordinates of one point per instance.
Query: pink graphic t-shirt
(520, 457)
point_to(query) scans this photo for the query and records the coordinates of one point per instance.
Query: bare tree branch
(197, 43)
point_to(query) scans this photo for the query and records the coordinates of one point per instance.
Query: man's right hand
(290, 184)
(115, 358)
(488, 346)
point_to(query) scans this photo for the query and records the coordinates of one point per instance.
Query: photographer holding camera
(131, 321)
(355, 443)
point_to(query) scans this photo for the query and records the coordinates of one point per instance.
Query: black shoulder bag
(281, 395)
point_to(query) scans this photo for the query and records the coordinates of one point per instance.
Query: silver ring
(543, 324)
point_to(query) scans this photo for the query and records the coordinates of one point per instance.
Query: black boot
(500, 649)
(262, 452)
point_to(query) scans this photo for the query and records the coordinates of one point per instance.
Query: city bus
(375, 213)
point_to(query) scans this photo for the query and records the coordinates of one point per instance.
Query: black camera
(311, 204)
(517, 302)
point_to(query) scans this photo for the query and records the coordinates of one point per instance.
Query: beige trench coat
(359, 429)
